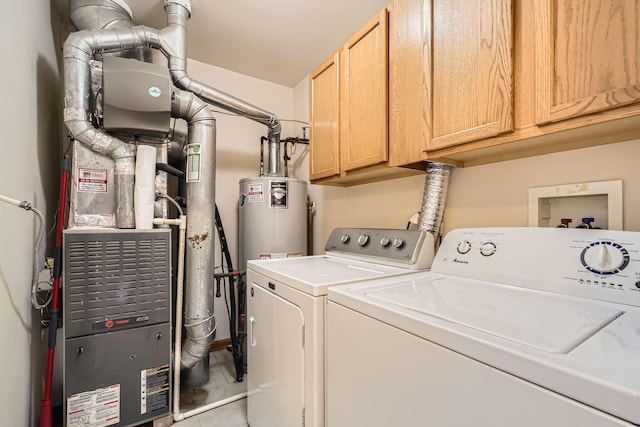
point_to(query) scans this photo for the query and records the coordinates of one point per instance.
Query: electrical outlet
(44, 280)
(602, 201)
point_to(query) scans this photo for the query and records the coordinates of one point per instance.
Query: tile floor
(222, 384)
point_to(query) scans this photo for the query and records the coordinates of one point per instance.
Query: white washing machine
(286, 304)
(524, 327)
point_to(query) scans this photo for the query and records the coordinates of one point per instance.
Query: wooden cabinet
(587, 57)
(363, 97)
(324, 89)
(409, 85)
(471, 71)
(473, 82)
(349, 111)
(576, 81)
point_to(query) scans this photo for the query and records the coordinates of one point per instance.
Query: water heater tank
(272, 218)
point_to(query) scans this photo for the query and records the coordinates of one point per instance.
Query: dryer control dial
(345, 238)
(488, 248)
(363, 240)
(605, 257)
(385, 241)
(398, 242)
(464, 247)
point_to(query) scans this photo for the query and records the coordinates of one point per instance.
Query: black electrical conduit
(235, 345)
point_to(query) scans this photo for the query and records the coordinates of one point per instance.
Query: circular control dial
(385, 241)
(345, 238)
(464, 247)
(363, 240)
(398, 242)
(604, 257)
(488, 248)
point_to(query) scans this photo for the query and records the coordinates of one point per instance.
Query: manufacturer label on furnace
(100, 407)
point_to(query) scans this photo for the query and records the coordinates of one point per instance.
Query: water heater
(272, 218)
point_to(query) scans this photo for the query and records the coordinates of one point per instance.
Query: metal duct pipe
(78, 50)
(434, 197)
(99, 14)
(199, 317)
(174, 45)
(105, 15)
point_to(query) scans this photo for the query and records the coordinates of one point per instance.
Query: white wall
(488, 195)
(238, 149)
(30, 121)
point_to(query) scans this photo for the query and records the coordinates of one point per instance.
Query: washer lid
(314, 274)
(548, 322)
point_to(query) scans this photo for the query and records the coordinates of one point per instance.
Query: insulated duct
(198, 312)
(434, 197)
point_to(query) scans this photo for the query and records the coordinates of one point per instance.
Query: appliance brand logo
(154, 91)
(460, 261)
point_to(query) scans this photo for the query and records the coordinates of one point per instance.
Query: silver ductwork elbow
(434, 197)
(199, 317)
(173, 45)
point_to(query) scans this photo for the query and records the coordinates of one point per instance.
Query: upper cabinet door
(471, 69)
(363, 113)
(587, 56)
(409, 20)
(324, 158)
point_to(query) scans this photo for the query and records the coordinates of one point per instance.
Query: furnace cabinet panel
(117, 326)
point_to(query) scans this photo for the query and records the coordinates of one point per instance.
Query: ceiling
(281, 41)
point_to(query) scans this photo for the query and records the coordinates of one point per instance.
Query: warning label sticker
(255, 193)
(96, 408)
(154, 389)
(194, 162)
(92, 180)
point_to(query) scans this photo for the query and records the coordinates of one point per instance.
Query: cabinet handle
(252, 322)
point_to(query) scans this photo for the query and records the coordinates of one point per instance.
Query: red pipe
(45, 410)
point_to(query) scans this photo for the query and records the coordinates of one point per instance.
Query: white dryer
(522, 327)
(286, 305)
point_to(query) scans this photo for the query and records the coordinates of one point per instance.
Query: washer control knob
(464, 247)
(488, 249)
(605, 257)
(385, 241)
(345, 238)
(398, 242)
(363, 240)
